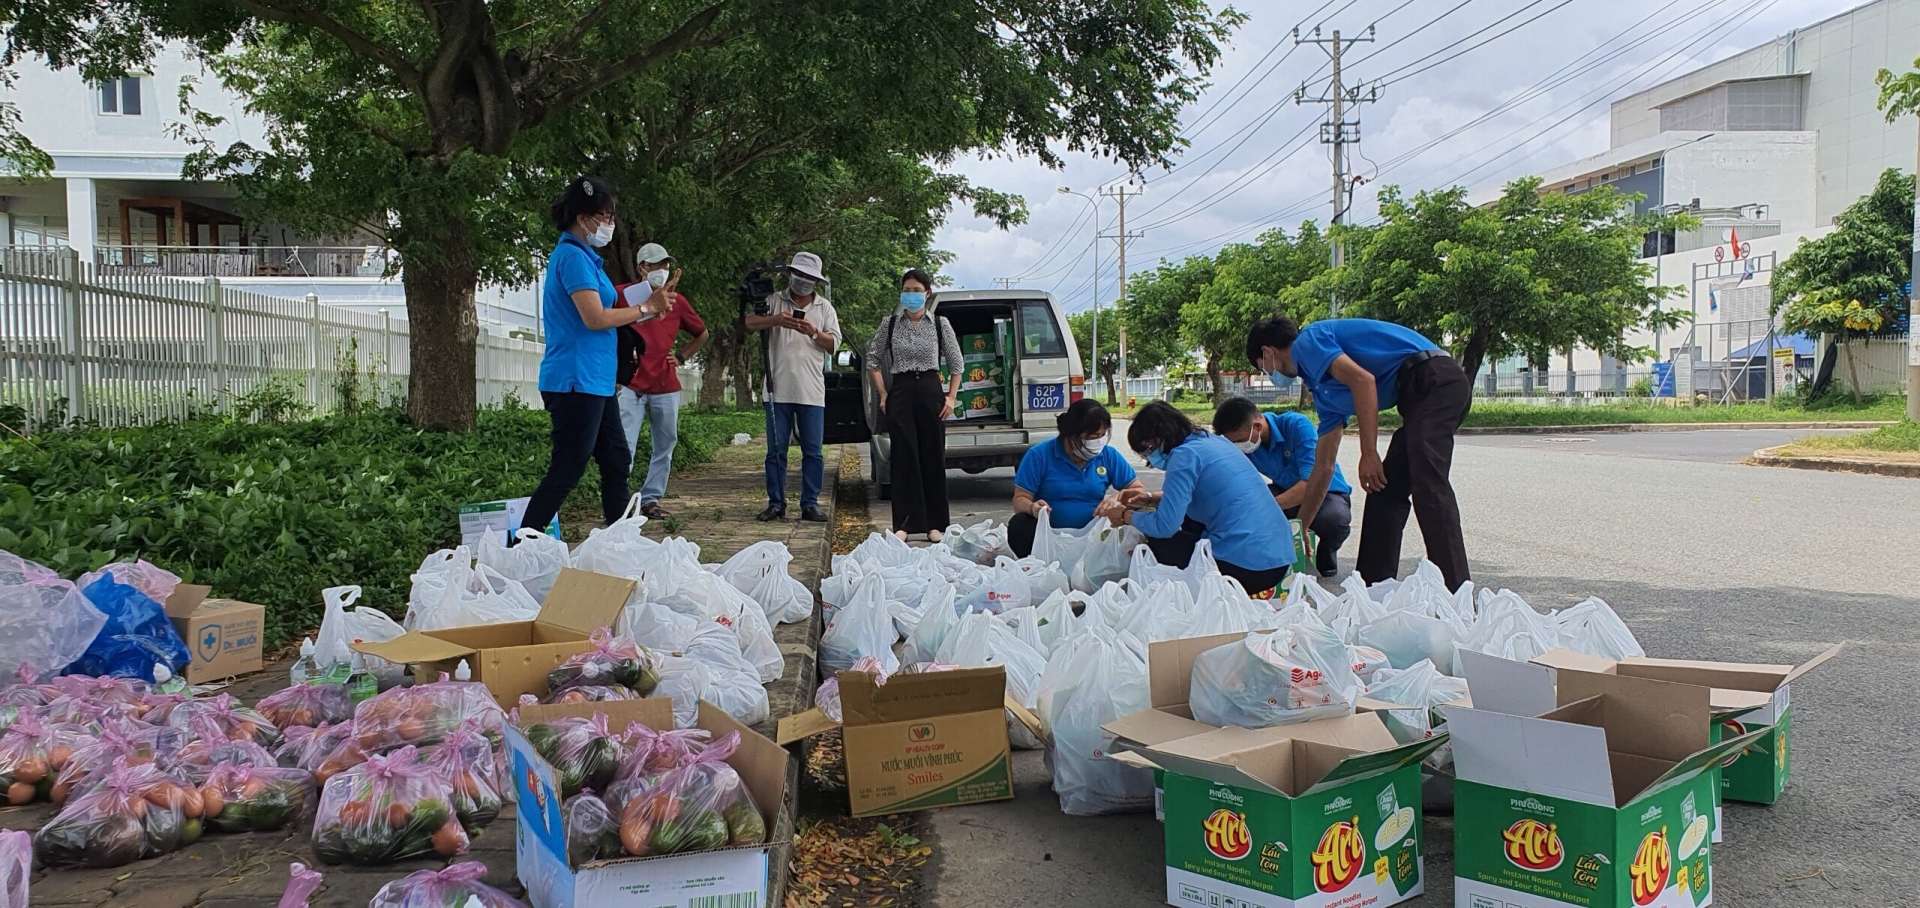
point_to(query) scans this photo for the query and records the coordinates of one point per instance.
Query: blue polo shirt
(1286, 455)
(1072, 492)
(1379, 347)
(1209, 480)
(577, 358)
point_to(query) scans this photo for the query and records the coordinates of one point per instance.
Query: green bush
(276, 513)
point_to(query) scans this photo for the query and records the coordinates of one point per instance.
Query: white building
(1769, 144)
(116, 196)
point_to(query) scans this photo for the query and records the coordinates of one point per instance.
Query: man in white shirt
(803, 331)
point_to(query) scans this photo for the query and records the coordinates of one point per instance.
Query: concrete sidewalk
(713, 505)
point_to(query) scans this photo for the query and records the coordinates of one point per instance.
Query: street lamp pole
(1094, 342)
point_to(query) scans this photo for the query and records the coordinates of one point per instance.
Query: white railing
(81, 343)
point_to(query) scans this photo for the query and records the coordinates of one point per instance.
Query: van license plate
(1047, 397)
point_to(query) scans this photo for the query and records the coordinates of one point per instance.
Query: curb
(1765, 457)
(1626, 427)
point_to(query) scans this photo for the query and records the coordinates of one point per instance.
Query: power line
(1057, 246)
(1237, 182)
(1390, 44)
(1396, 75)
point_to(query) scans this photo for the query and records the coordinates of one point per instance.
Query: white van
(1023, 369)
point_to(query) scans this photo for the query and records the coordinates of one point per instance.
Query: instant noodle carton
(1317, 814)
(1604, 800)
(1745, 697)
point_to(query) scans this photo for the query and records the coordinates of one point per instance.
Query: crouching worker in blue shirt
(1280, 445)
(1211, 492)
(1067, 476)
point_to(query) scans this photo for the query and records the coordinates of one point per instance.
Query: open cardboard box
(223, 636)
(1744, 697)
(920, 740)
(1168, 717)
(1603, 799)
(1314, 814)
(514, 658)
(740, 876)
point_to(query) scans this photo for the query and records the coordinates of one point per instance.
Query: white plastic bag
(731, 680)
(982, 641)
(1055, 619)
(655, 626)
(1093, 679)
(1295, 674)
(1163, 610)
(339, 627)
(685, 682)
(48, 622)
(761, 572)
(981, 543)
(938, 618)
(1222, 607)
(473, 595)
(1062, 548)
(1025, 622)
(1367, 662)
(1043, 579)
(1418, 685)
(1509, 628)
(1408, 637)
(535, 559)
(436, 573)
(1352, 610)
(1106, 559)
(1005, 586)
(1592, 627)
(1307, 592)
(618, 549)
(863, 628)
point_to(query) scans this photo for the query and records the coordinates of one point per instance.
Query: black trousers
(1434, 398)
(584, 426)
(1333, 524)
(1020, 530)
(919, 454)
(1177, 551)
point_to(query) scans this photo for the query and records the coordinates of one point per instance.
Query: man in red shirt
(649, 378)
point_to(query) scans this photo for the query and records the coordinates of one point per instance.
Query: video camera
(755, 286)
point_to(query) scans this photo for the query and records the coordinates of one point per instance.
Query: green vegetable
(269, 810)
(599, 762)
(232, 818)
(543, 737)
(190, 832)
(745, 826)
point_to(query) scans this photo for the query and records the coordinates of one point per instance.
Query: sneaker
(813, 515)
(773, 512)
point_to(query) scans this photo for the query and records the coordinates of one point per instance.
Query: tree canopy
(735, 129)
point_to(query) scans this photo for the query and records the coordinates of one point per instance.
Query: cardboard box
(738, 877)
(1744, 697)
(985, 373)
(514, 658)
(500, 517)
(936, 739)
(1316, 814)
(1602, 801)
(223, 636)
(980, 345)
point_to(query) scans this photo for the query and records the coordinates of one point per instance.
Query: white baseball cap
(652, 254)
(808, 264)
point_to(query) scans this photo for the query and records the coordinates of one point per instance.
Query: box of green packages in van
(976, 347)
(1317, 814)
(1745, 697)
(981, 402)
(987, 373)
(1604, 799)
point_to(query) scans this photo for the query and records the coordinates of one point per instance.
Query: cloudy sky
(1255, 160)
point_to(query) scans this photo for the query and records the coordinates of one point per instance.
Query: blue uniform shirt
(1072, 492)
(577, 358)
(1209, 480)
(1286, 455)
(1379, 347)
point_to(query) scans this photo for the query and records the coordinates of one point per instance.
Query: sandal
(935, 536)
(653, 511)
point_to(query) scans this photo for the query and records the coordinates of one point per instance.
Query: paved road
(1704, 558)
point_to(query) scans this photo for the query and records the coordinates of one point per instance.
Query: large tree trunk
(742, 372)
(1112, 392)
(1475, 353)
(441, 330)
(1218, 384)
(1853, 367)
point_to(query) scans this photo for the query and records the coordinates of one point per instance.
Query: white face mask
(799, 286)
(1247, 447)
(657, 278)
(1093, 446)
(601, 236)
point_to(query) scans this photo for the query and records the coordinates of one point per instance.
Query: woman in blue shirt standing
(1211, 492)
(577, 372)
(1067, 476)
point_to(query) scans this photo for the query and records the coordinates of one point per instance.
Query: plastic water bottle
(361, 684)
(462, 672)
(304, 670)
(164, 681)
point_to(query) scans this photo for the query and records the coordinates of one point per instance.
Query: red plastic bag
(466, 760)
(459, 885)
(137, 812)
(248, 798)
(307, 704)
(32, 753)
(613, 662)
(300, 887)
(701, 806)
(391, 808)
(581, 751)
(235, 720)
(423, 714)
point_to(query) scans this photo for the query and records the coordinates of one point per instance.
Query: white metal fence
(83, 343)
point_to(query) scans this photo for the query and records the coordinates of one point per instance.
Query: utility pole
(1120, 308)
(1337, 130)
(1913, 309)
(1006, 283)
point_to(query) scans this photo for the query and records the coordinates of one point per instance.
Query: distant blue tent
(1802, 347)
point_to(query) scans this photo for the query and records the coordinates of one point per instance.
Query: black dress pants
(919, 452)
(1434, 398)
(585, 426)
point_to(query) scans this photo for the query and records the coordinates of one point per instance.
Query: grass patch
(1493, 413)
(1900, 442)
(276, 513)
